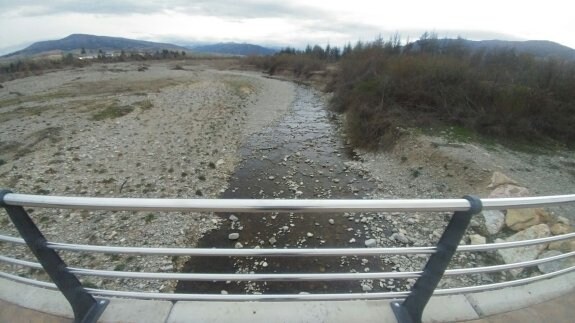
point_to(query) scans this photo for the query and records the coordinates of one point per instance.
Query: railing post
(86, 308)
(411, 309)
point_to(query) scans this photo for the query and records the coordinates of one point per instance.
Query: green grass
(112, 111)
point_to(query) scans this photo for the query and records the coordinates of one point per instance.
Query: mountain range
(93, 44)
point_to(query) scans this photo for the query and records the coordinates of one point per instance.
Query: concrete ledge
(513, 298)
(34, 302)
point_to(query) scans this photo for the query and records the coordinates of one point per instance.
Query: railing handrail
(409, 310)
(277, 205)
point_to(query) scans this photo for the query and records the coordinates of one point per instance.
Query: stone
(477, 239)
(309, 234)
(234, 236)
(370, 243)
(233, 218)
(509, 190)
(520, 219)
(498, 179)
(220, 162)
(331, 221)
(494, 221)
(562, 219)
(556, 265)
(560, 228)
(400, 237)
(563, 246)
(271, 178)
(272, 240)
(238, 245)
(513, 255)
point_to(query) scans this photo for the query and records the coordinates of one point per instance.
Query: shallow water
(301, 156)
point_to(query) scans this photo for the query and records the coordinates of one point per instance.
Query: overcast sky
(285, 22)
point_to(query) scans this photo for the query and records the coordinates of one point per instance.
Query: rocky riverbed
(184, 130)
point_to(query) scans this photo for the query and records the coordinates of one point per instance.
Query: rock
(477, 239)
(562, 219)
(560, 228)
(499, 179)
(233, 218)
(271, 178)
(400, 237)
(336, 180)
(331, 221)
(272, 240)
(352, 240)
(513, 255)
(370, 243)
(494, 221)
(220, 162)
(238, 245)
(309, 234)
(234, 236)
(509, 190)
(556, 265)
(520, 219)
(563, 246)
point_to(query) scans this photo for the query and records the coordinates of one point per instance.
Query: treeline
(28, 67)
(382, 85)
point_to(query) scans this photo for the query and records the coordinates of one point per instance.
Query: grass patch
(112, 111)
(144, 105)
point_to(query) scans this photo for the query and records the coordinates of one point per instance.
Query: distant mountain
(537, 48)
(93, 43)
(234, 49)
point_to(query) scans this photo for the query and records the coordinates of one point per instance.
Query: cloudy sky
(285, 22)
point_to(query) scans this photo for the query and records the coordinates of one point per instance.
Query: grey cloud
(221, 8)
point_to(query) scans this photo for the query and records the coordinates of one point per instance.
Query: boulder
(563, 246)
(477, 239)
(499, 179)
(494, 220)
(521, 219)
(509, 190)
(556, 265)
(513, 255)
(560, 228)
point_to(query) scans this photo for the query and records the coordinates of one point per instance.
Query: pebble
(238, 245)
(309, 234)
(370, 243)
(272, 240)
(331, 221)
(233, 218)
(271, 178)
(234, 236)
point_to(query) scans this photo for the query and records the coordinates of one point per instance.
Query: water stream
(301, 156)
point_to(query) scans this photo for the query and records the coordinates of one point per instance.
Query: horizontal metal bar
(517, 282)
(267, 205)
(12, 239)
(285, 276)
(29, 281)
(233, 205)
(494, 268)
(318, 297)
(514, 244)
(215, 252)
(291, 297)
(295, 277)
(20, 262)
(286, 252)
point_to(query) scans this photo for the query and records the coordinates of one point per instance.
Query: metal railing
(87, 308)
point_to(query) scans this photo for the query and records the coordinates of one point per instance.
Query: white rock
(352, 240)
(238, 245)
(271, 178)
(494, 221)
(331, 221)
(527, 253)
(233, 218)
(509, 190)
(370, 243)
(220, 162)
(477, 239)
(399, 237)
(272, 240)
(499, 179)
(234, 236)
(309, 234)
(556, 265)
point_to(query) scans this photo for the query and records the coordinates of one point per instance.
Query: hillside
(92, 43)
(234, 49)
(537, 48)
